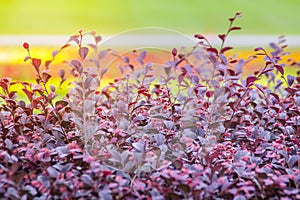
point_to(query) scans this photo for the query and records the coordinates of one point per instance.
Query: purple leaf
(290, 79)
(77, 65)
(195, 79)
(8, 143)
(126, 59)
(139, 146)
(143, 55)
(279, 68)
(83, 51)
(54, 53)
(102, 54)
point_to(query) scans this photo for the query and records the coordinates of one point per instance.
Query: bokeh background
(114, 16)
(20, 19)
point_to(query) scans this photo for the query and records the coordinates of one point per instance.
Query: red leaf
(36, 63)
(258, 49)
(279, 68)
(290, 90)
(275, 95)
(47, 63)
(28, 93)
(250, 80)
(83, 51)
(174, 51)
(198, 36)
(225, 49)
(222, 37)
(46, 77)
(4, 86)
(209, 93)
(235, 28)
(214, 50)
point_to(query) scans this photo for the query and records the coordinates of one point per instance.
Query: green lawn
(113, 16)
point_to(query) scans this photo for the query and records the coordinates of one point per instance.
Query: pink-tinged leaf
(93, 46)
(143, 55)
(280, 69)
(52, 88)
(47, 64)
(213, 50)
(224, 49)
(174, 51)
(102, 54)
(55, 52)
(61, 73)
(250, 80)
(290, 79)
(195, 79)
(126, 59)
(180, 78)
(36, 63)
(209, 93)
(235, 28)
(83, 51)
(222, 37)
(46, 77)
(74, 38)
(98, 39)
(77, 65)
(26, 58)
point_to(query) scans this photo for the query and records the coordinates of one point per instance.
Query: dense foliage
(198, 130)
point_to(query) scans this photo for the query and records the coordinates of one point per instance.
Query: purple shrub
(199, 130)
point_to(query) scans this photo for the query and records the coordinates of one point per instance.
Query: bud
(26, 45)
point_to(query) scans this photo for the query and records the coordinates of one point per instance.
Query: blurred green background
(278, 17)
